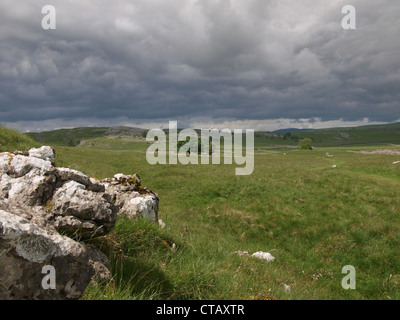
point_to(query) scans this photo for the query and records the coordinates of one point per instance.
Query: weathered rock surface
(82, 213)
(45, 153)
(131, 198)
(77, 205)
(100, 265)
(25, 249)
(38, 201)
(27, 180)
(67, 174)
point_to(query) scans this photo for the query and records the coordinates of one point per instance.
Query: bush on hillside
(305, 144)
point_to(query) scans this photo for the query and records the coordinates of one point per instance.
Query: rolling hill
(331, 137)
(362, 135)
(73, 137)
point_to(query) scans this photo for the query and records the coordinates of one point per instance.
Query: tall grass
(11, 140)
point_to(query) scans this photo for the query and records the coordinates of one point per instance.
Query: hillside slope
(363, 135)
(73, 137)
(11, 140)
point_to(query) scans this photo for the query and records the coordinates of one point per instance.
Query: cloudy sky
(261, 64)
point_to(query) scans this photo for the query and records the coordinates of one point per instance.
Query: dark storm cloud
(147, 60)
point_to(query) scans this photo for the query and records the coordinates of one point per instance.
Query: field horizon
(327, 137)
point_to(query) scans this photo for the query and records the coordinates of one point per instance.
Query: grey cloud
(238, 60)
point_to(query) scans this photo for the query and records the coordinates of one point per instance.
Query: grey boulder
(26, 250)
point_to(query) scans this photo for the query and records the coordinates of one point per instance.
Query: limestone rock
(81, 213)
(77, 205)
(27, 180)
(45, 153)
(145, 206)
(38, 202)
(67, 174)
(131, 197)
(263, 256)
(100, 265)
(25, 249)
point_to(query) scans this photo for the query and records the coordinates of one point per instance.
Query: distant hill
(362, 135)
(73, 137)
(372, 134)
(291, 130)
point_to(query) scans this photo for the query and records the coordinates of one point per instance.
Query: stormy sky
(261, 64)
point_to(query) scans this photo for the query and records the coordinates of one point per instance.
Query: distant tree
(294, 137)
(144, 133)
(305, 144)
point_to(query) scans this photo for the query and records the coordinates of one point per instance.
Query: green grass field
(312, 217)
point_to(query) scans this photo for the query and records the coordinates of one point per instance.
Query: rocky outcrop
(100, 265)
(76, 205)
(25, 179)
(45, 211)
(45, 153)
(26, 249)
(131, 197)
(82, 213)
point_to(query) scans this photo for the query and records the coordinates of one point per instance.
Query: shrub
(305, 144)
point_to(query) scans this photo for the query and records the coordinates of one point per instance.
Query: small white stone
(161, 223)
(264, 256)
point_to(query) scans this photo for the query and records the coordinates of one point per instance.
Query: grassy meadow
(312, 217)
